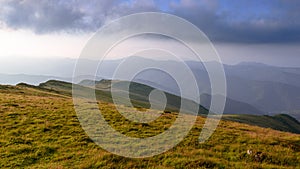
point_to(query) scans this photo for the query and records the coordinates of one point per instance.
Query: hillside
(138, 93)
(139, 98)
(39, 129)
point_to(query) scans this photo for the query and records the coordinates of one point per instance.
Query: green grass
(39, 129)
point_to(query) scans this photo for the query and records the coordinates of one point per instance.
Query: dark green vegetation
(39, 129)
(281, 122)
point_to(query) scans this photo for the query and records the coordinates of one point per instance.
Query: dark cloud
(255, 21)
(69, 16)
(42, 16)
(246, 21)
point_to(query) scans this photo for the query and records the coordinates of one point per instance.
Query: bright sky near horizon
(23, 43)
(242, 30)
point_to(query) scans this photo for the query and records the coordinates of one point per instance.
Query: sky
(241, 30)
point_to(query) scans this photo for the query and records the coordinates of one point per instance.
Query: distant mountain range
(252, 88)
(13, 79)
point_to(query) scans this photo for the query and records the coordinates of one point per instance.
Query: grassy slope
(139, 93)
(39, 129)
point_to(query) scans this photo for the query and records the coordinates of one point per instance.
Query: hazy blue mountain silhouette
(267, 88)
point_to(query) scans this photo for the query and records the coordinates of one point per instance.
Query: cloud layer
(240, 21)
(60, 15)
